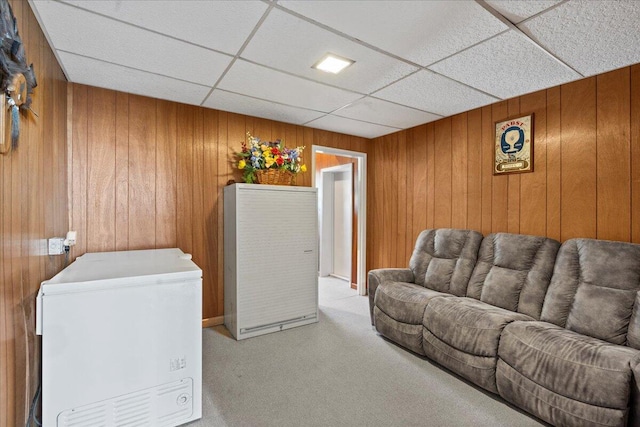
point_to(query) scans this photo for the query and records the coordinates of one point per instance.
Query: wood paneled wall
(586, 179)
(150, 174)
(33, 207)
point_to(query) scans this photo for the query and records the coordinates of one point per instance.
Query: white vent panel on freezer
(165, 405)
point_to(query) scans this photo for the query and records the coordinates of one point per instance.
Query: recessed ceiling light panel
(331, 63)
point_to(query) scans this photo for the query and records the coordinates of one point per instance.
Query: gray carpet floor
(338, 372)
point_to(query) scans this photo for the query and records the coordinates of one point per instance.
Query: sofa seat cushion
(404, 302)
(469, 325)
(398, 312)
(578, 367)
(463, 334)
(480, 370)
(408, 336)
(552, 407)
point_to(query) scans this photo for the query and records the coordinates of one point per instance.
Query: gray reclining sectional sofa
(555, 330)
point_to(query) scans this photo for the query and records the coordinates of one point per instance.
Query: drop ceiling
(415, 61)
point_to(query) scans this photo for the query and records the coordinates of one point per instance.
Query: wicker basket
(274, 177)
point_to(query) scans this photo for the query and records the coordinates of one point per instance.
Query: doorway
(335, 210)
(340, 175)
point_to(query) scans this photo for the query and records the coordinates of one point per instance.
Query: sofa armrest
(381, 275)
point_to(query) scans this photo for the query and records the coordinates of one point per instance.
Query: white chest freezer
(122, 340)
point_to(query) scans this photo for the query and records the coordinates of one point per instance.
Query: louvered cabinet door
(275, 246)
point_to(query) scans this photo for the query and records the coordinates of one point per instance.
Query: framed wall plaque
(514, 145)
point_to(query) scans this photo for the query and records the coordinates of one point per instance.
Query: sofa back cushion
(443, 259)
(594, 288)
(513, 272)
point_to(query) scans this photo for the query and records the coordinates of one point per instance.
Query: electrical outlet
(56, 246)
(71, 238)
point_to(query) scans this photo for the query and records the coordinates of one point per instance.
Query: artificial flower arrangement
(264, 155)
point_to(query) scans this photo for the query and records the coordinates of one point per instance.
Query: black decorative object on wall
(17, 79)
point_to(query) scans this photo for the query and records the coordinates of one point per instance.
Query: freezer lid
(106, 269)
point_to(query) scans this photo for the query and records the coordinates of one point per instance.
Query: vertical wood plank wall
(148, 173)
(33, 207)
(586, 179)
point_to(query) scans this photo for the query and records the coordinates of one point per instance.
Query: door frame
(360, 196)
(326, 200)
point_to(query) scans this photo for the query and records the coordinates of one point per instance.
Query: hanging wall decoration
(514, 145)
(17, 79)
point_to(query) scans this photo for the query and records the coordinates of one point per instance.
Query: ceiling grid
(415, 61)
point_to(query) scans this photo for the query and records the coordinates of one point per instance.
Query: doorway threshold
(346, 279)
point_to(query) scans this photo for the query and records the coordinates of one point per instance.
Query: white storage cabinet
(270, 258)
(122, 340)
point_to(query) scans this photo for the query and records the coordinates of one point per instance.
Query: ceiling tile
(420, 31)
(77, 31)
(227, 101)
(171, 49)
(591, 36)
(274, 45)
(506, 66)
(351, 127)
(385, 113)
(250, 79)
(517, 10)
(218, 25)
(428, 91)
(102, 74)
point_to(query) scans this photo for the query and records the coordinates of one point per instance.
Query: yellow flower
(269, 161)
(303, 168)
(242, 164)
(264, 147)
